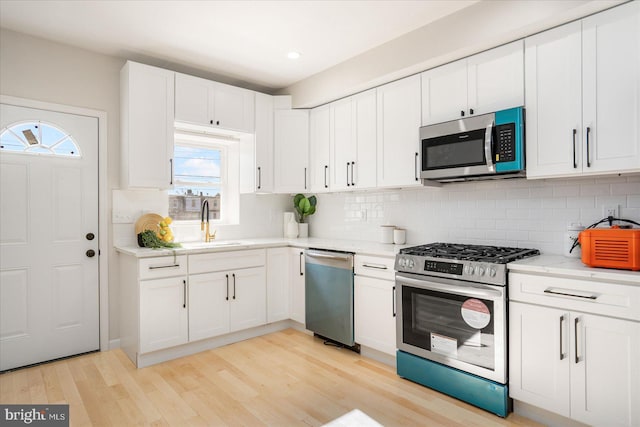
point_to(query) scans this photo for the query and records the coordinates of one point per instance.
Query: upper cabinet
(291, 151)
(483, 83)
(398, 124)
(583, 96)
(212, 104)
(264, 143)
(353, 142)
(320, 164)
(146, 126)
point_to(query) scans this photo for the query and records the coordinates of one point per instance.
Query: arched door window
(36, 137)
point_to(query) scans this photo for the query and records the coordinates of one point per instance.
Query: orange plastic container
(611, 248)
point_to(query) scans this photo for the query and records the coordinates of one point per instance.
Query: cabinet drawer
(373, 266)
(596, 297)
(166, 266)
(219, 261)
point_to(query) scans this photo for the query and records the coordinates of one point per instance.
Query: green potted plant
(304, 207)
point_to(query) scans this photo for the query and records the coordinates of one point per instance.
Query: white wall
(42, 70)
(38, 69)
(514, 212)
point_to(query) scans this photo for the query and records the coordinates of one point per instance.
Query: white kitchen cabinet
(232, 284)
(297, 290)
(153, 309)
(226, 301)
(146, 126)
(398, 154)
(353, 142)
(374, 303)
(278, 288)
(212, 104)
(163, 313)
(264, 143)
(574, 346)
(320, 165)
(583, 96)
(208, 305)
(291, 151)
(489, 81)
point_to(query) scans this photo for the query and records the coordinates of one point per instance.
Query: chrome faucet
(205, 226)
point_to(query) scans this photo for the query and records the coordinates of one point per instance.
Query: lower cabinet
(224, 302)
(374, 303)
(163, 313)
(577, 364)
(296, 283)
(277, 284)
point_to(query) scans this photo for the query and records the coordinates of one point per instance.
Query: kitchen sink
(214, 244)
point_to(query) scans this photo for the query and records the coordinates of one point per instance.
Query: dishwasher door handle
(339, 257)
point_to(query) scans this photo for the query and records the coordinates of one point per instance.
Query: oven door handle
(469, 291)
(488, 147)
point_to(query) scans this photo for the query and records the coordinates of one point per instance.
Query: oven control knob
(410, 263)
(479, 270)
(492, 272)
(468, 269)
(402, 262)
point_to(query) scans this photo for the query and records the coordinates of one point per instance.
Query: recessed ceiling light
(293, 55)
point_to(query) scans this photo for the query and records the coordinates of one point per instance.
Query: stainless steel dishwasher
(329, 295)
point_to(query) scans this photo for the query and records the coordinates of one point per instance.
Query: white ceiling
(243, 40)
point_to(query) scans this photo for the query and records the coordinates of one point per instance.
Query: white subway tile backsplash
(520, 212)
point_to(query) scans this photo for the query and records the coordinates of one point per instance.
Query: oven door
(458, 148)
(456, 323)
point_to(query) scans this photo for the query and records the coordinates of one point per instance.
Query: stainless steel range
(452, 320)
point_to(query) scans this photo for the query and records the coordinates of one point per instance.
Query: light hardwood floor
(286, 378)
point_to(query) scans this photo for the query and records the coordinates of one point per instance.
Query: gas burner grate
(462, 252)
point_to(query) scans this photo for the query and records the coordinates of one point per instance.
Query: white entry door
(49, 304)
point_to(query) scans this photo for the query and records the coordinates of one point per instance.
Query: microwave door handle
(488, 147)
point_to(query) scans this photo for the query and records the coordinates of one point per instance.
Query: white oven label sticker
(475, 313)
(444, 345)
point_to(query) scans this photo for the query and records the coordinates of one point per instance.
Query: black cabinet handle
(90, 253)
(170, 171)
(416, 166)
(353, 164)
(210, 122)
(575, 329)
(90, 236)
(305, 178)
(393, 301)
(575, 164)
(325, 176)
(588, 156)
(348, 184)
(218, 122)
(234, 285)
(561, 340)
(227, 276)
(462, 113)
(470, 110)
(259, 177)
(184, 294)
(300, 260)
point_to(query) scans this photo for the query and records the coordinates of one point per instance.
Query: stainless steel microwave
(477, 147)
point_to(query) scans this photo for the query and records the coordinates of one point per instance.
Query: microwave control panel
(505, 142)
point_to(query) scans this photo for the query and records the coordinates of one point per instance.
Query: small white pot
(303, 230)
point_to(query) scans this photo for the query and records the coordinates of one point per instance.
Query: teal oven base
(480, 392)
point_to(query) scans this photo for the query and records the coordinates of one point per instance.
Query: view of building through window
(197, 177)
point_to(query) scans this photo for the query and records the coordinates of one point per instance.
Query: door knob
(91, 253)
(90, 236)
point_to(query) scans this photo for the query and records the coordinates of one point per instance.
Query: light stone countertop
(558, 265)
(358, 247)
